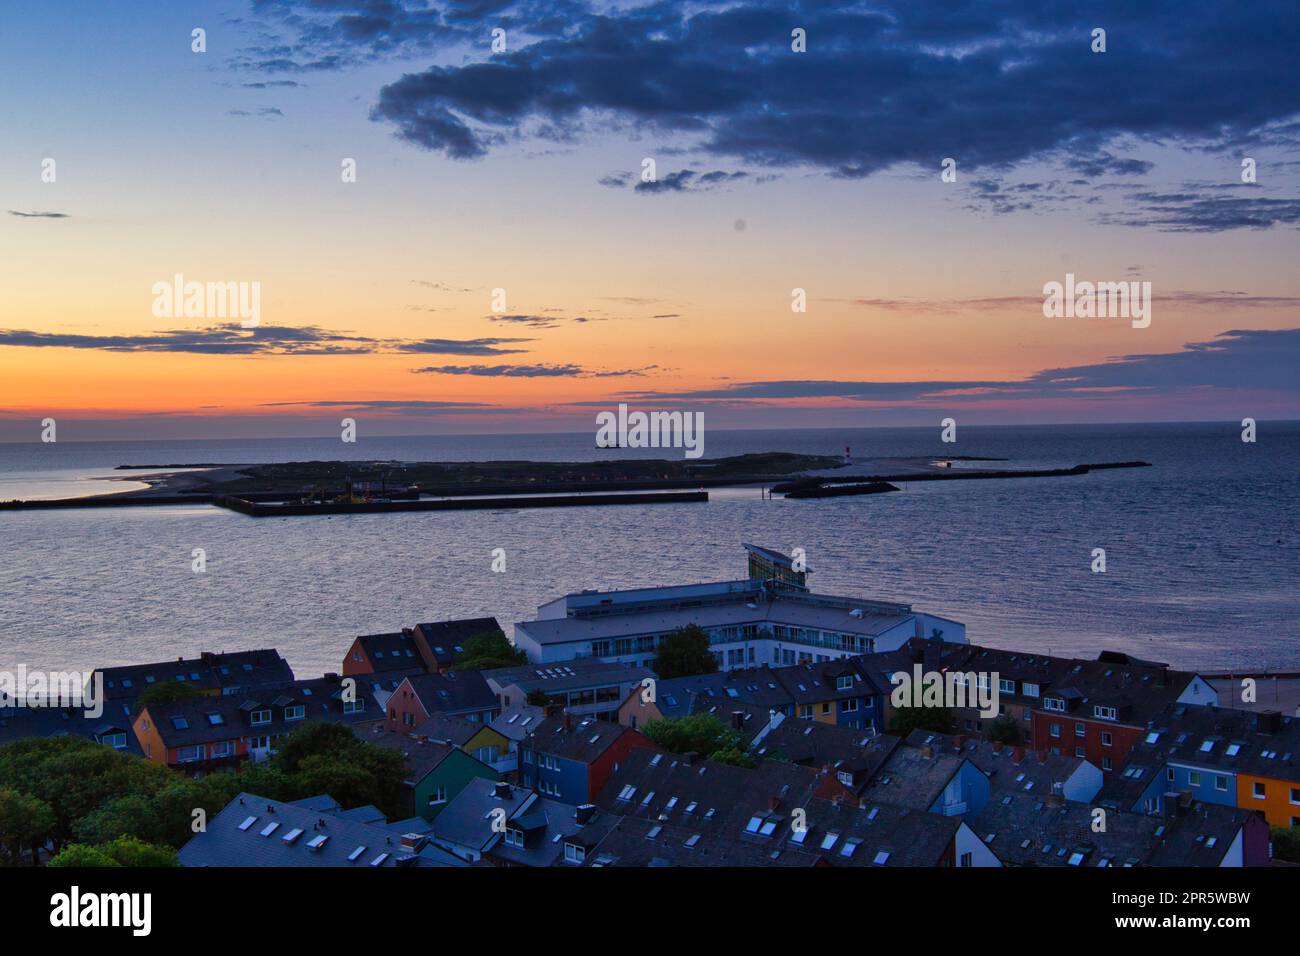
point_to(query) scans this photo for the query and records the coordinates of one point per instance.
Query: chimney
(583, 813)
(568, 721)
(773, 802)
(332, 677)
(738, 719)
(1268, 721)
(997, 746)
(690, 757)
(501, 790)
(958, 741)
(413, 842)
(927, 752)
(1018, 755)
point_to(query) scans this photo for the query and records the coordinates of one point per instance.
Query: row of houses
(925, 800)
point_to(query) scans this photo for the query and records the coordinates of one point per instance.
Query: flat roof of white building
(872, 620)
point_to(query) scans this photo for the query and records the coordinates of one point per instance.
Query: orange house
(1278, 800)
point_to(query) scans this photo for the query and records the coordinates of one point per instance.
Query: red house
(571, 759)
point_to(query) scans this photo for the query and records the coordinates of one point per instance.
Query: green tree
(907, 719)
(488, 650)
(734, 756)
(1006, 730)
(75, 777)
(703, 734)
(124, 851)
(26, 823)
(329, 758)
(1286, 844)
(82, 855)
(538, 697)
(685, 653)
(165, 693)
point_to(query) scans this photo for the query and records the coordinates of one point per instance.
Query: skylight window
(270, 828)
(1207, 746)
(216, 720)
(627, 792)
(355, 854)
(292, 835)
(850, 845)
(248, 822)
(379, 860)
(829, 839)
(1233, 749)
(316, 842)
(693, 839)
(653, 832)
(881, 858)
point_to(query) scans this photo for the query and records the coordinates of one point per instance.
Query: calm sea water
(1203, 550)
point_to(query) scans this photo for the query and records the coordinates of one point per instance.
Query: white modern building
(768, 618)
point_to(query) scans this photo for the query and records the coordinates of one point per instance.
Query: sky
(503, 262)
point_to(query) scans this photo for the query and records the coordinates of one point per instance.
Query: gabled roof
(256, 831)
(453, 692)
(446, 639)
(815, 683)
(209, 671)
(1259, 743)
(705, 795)
(389, 652)
(758, 686)
(568, 738)
(204, 720)
(913, 776)
(1008, 768)
(875, 834)
(17, 723)
(1024, 830)
(467, 820)
(648, 843)
(837, 749)
(517, 722)
(422, 756)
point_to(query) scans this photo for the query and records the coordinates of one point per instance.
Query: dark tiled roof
(573, 739)
(203, 720)
(516, 722)
(1241, 741)
(875, 834)
(1008, 768)
(17, 723)
(704, 795)
(642, 843)
(422, 756)
(255, 831)
(1024, 830)
(816, 683)
(758, 686)
(913, 776)
(446, 639)
(839, 749)
(453, 692)
(388, 652)
(467, 822)
(208, 672)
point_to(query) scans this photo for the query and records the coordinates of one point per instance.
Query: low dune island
(348, 487)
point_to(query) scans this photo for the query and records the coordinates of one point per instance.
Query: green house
(436, 772)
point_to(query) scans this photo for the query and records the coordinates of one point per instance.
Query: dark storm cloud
(990, 84)
(38, 215)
